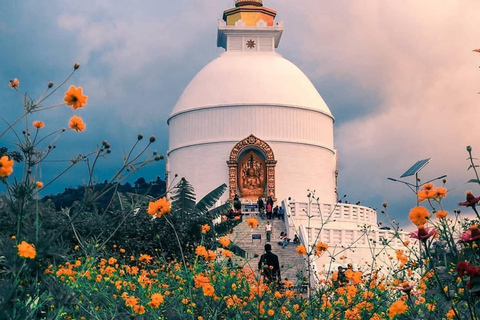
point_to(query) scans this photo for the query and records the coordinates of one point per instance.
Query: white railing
(338, 212)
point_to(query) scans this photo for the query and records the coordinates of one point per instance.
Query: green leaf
(475, 282)
(210, 199)
(473, 181)
(183, 198)
(216, 212)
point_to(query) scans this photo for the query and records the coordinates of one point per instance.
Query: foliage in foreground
(152, 258)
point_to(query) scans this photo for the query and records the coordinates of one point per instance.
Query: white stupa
(253, 120)
(251, 99)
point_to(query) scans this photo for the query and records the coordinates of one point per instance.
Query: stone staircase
(292, 265)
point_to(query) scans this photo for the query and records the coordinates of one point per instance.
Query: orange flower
(320, 248)
(441, 214)
(201, 251)
(38, 124)
(252, 223)
(77, 124)
(301, 250)
(210, 255)
(398, 307)
(145, 258)
(205, 228)
(6, 166)
(26, 250)
(200, 280)
(440, 192)
(75, 98)
(419, 215)
(14, 83)
(39, 184)
(224, 241)
(208, 290)
(139, 309)
(156, 300)
(271, 312)
(227, 253)
(159, 207)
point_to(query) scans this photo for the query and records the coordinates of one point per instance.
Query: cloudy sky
(400, 78)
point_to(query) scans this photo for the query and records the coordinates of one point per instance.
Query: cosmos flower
(39, 184)
(6, 166)
(224, 241)
(159, 207)
(398, 307)
(26, 250)
(419, 215)
(320, 248)
(301, 250)
(77, 124)
(423, 233)
(14, 83)
(471, 235)
(38, 124)
(471, 200)
(75, 98)
(205, 228)
(441, 214)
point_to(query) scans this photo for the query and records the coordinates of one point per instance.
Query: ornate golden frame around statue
(254, 143)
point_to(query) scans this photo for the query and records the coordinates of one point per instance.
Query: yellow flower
(39, 184)
(224, 241)
(26, 250)
(6, 166)
(75, 98)
(398, 307)
(77, 124)
(38, 124)
(301, 250)
(159, 207)
(205, 228)
(252, 223)
(419, 215)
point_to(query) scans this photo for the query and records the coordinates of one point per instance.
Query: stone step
(292, 264)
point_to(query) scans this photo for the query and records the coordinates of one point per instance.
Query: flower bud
(152, 139)
(104, 142)
(384, 204)
(76, 66)
(50, 84)
(154, 152)
(139, 137)
(444, 180)
(469, 148)
(109, 151)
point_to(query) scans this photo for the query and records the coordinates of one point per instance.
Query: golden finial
(239, 3)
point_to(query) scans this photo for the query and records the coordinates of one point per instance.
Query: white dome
(250, 79)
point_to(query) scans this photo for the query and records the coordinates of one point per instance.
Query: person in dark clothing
(275, 212)
(261, 205)
(237, 205)
(269, 266)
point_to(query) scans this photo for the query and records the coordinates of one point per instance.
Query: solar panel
(415, 168)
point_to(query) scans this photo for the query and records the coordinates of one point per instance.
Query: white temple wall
(234, 123)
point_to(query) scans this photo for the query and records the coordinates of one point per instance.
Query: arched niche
(260, 155)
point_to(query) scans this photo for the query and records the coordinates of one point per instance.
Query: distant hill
(156, 189)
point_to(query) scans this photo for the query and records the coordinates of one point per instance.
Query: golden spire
(250, 12)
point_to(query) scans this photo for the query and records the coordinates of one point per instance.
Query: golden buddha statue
(252, 176)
